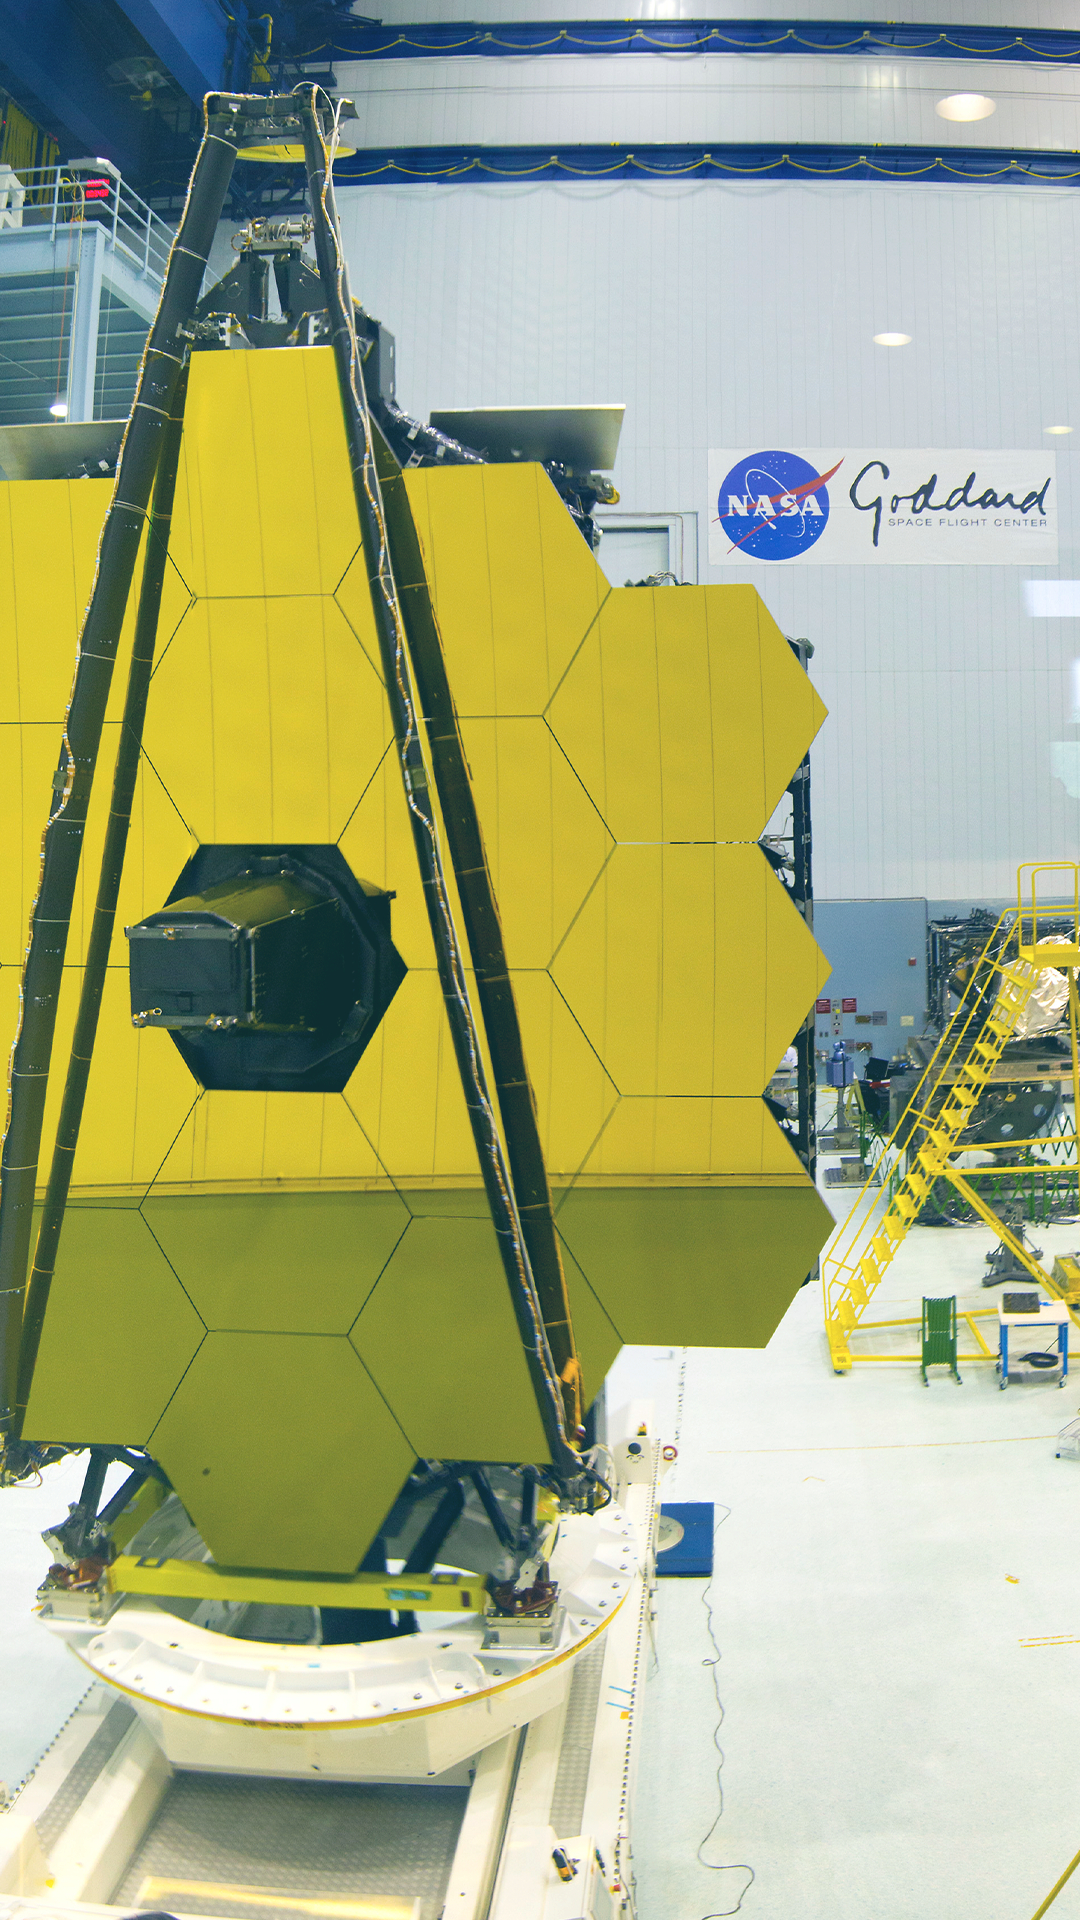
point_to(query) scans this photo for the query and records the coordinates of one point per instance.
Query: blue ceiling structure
(951, 166)
(53, 65)
(190, 37)
(124, 80)
(358, 39)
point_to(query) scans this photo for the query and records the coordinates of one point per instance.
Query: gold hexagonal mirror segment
(685, 713)
(649, 1139)
(689, 969)
(515, 587)
(306, 1488)
(377, 842)
(48, 555)
(574, 1094)
(119, 1335)
(406, 1092)
(266, 720)
(545, 840)
(159, 845)
(137, 1098)
(275, 1212)
(694, 1265)
(264, 499)
(457, 1384)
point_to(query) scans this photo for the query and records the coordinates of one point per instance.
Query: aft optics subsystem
(270, 966)
(394, 1021)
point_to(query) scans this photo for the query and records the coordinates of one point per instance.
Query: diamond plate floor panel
(294, 1838)
(572, 1778)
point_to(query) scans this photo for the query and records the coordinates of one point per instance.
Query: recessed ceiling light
(1057, 429)
(892, 339)
(59, 409)
(966, 106)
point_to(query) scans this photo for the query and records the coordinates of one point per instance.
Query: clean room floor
(40, 1682)
(896, 1606)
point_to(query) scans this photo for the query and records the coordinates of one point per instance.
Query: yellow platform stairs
(855, 1265)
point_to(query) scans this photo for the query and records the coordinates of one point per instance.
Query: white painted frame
(682, 532)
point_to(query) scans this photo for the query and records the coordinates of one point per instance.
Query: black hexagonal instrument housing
(270, 967)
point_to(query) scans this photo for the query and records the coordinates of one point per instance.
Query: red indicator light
(97, 189)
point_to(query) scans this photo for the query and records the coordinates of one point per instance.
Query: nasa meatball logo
(774, 506)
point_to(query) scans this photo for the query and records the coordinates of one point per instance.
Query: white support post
(526, 1873)
(476, 1856)
(85, 321)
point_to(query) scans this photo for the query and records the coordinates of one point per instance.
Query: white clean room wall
(956, 13)
(658, 98)
(743, 316)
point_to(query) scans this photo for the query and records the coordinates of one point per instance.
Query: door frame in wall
(682, 532)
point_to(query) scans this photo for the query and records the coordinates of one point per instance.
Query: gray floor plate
(572, 1779)
(296, 1838)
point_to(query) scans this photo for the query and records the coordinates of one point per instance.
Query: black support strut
(417, 685)
(125, 775)
(404, 708)
(802, 893)
(63, 838)
(483, 927)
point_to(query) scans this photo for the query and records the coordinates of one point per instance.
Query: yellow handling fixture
(865, 1245)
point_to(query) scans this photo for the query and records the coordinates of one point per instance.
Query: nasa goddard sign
(830, 506)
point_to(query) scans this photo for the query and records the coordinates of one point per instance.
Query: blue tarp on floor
(693, 1554)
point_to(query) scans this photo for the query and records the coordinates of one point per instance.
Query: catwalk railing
(919, 1152)
(61, 197)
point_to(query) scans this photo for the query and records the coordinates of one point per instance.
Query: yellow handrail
(854, 1268)
(940, 1060)
(1056, 953)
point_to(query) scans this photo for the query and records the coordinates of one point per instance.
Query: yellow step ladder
(863, 1249)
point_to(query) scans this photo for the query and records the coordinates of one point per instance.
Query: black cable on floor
(736, 1866)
